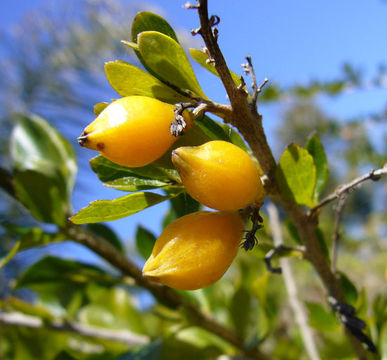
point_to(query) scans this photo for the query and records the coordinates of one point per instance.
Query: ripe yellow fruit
(195, 250)
(132, 131)
(219, 175)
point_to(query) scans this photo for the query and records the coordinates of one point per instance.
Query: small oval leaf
(166, 58)
(296, 175)
(129, 80)
(108, 210)
(316, 149)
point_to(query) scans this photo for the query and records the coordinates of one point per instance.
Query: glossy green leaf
(165, 57)
(218, 131)
(108, 171)
(108, 210)
(240, 310)
(129, 80)
(180, 205)
(44, 169)
(321, 319)
(144, 241)
(147, 21)
(201, 58)
(296, 175)
(316, 149)
(107, 233)
(135, 183)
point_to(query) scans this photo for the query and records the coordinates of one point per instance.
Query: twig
(280, 250)
(123, 336)
(165, 294)
(374, 175)
(336, 234)
(295, 303)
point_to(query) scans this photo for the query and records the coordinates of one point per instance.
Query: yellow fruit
(196, 250)
(132, 131)
(219, 175)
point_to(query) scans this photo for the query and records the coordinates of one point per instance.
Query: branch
(373, 175)
(164, 294)
(290, 284)
(123, 336)
(249, 124)
(336, 234)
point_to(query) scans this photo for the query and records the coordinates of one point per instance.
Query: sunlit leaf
(108, 210)
(147, 21)
(144, 241)
(201, 58)
(165, 57)
(129, 80)
(296, 175)
(316, 149)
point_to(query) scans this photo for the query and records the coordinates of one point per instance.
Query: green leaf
(108, 210)
(165, 57)
(62, 278)
(293, 232)
(135, 183)
(320, 237)
(201, 58)
(44, 169)
(240, 310)
(350, 291)
(107, 233)
(321, 319)
(147, 21)
(108, 171)
(129, 80)
(316, 149)
(144, 241)
(180, 205)
(296, 175)
(98, 108)
(218, 131)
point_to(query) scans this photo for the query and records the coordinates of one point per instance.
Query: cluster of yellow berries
(195, 250)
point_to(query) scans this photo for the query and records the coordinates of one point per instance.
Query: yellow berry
(196, 250)
(219, 175)
(132, 131)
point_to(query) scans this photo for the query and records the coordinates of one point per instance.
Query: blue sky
(290, 42)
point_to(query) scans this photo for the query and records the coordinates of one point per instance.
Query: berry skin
(219, 175)
(132, 131)
(196, 250)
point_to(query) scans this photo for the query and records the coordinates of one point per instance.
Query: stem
(290, 284)
(336, 234)
(249, 124)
